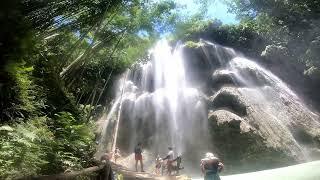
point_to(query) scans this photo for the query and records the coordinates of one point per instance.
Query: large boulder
(230, 98)
(223, 77)
(259, 128)
(220, 117)
(240, 146)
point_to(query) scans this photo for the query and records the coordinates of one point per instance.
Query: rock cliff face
(255, 120)
(221, 102)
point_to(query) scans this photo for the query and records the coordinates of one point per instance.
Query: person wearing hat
(169, 159)
(211, 166)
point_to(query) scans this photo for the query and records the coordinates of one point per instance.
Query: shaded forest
(61, 58)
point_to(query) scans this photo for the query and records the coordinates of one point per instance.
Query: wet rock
(275, 53)
(223, 77)
(196, 64)
(141, 76)
(233, 121)
(229, 97)
(256, 122)
(248, 73)
(274, 129)
(313, 73)
(240, 146)
(284, 123)
(203, 58)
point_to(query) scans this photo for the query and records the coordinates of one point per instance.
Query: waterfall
(165, 102)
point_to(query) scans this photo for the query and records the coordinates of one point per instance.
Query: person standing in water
(211, 166)
(116, 154)
(138, 156)
(158, 164)
(179, 161)
(169, 159)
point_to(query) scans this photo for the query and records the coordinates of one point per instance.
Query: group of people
(211, 166)
(168, 162)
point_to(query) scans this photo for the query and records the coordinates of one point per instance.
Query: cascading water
(165, 102)
(160, 108)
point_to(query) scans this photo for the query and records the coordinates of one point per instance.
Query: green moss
(313, 73)
(191, 44)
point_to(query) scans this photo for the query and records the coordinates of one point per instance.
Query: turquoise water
(305, 171)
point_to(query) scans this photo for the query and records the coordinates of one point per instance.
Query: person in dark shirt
(138, 156)
(211, 166)
(178, 167)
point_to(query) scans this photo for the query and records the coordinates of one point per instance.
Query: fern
(23, 148)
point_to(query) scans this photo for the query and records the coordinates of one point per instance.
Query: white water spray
(162, 108)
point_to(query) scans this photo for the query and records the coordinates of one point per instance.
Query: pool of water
(305, 171)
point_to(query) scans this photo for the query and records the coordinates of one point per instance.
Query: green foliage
(57, 67)
(74, 141)
(191, 44)
(23, 148)
(242, 37)
(44, 146)
(289, 34)
(293, 24)
(294, 14)
(76, 14)
(291, 29)
(60, 59)
(25, 90)
(313, 73)
(191, 26)
(24, 98)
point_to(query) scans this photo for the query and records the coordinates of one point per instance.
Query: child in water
(158, 164)
(116, 154)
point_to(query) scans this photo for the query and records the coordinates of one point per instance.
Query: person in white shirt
(169, 159)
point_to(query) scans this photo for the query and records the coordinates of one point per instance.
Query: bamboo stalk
(115, 135)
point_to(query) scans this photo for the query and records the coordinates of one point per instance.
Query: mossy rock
(192, 44)
(275, 53)
(313, 73)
